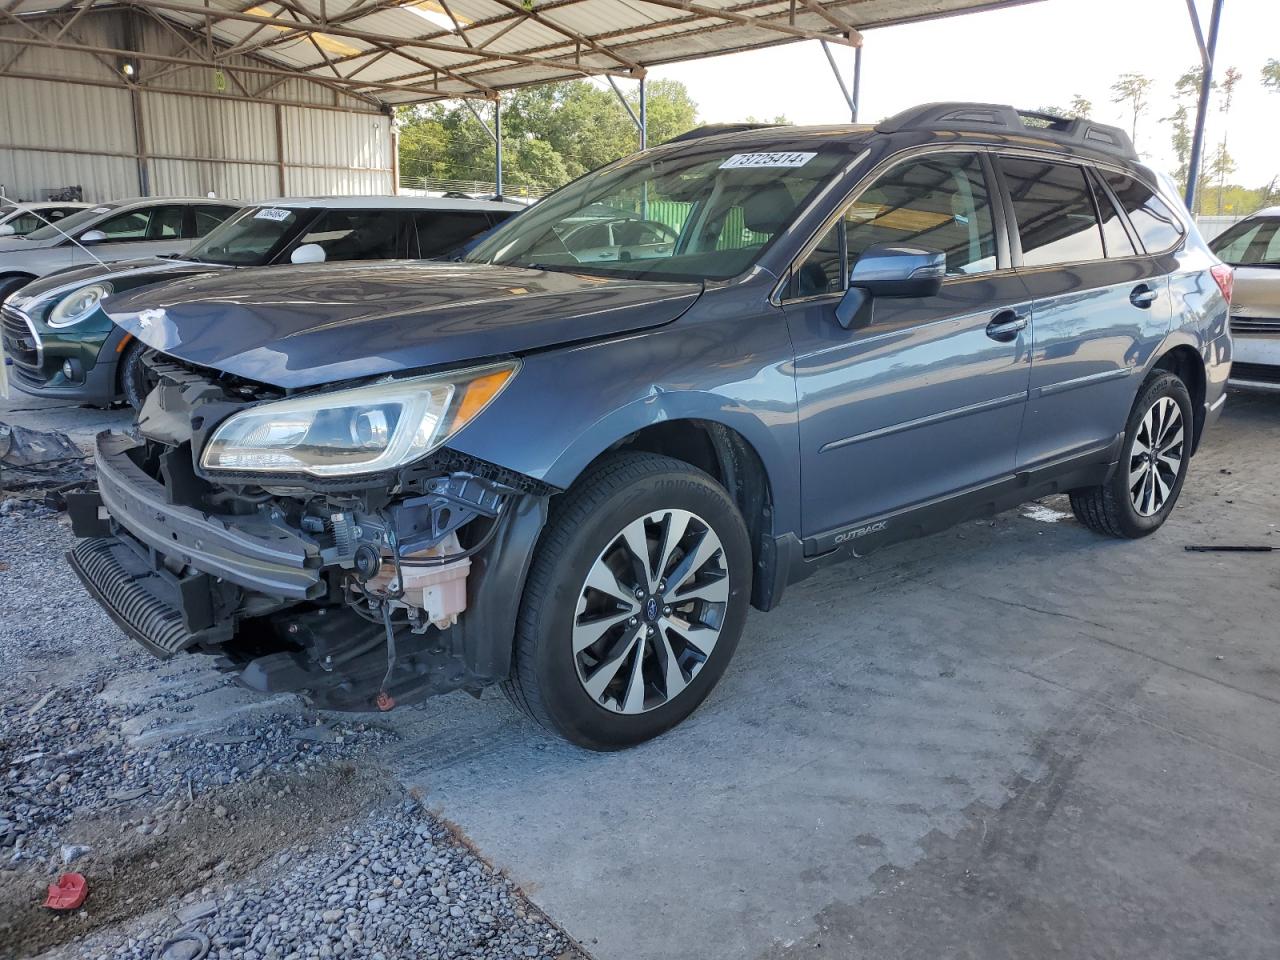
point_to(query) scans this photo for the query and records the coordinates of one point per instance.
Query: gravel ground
(398, 884)
(281, 826)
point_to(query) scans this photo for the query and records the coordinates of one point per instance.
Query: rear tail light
(1225, 277)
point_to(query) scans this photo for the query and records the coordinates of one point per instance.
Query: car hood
(126, 274)
(301, 326)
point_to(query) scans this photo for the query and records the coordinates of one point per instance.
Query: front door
(924, 401)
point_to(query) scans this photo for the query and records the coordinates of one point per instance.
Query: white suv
(121, 230)
(1252, 248)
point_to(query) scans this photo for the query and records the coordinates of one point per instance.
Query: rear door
(441, 233)
(1100, 308)
(923, 402)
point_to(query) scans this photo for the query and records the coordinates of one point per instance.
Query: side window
(24, 223)
(1054, 209)
(208, 216)
(439, 233)
(1114, 235)
(1157, 225)
(356, 235)
(166, 223)
(125, 226)
(939, 202)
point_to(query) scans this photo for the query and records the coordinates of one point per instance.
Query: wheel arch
(732, 460)
(1184, 361)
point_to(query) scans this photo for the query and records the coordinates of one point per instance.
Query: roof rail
(983, 117)
(715, 129)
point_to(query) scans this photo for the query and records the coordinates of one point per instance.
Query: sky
(1035, 55)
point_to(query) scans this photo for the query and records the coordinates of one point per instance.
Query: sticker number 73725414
(755, 160)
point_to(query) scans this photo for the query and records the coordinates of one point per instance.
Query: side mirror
(6, 230)
(92, 236)
(891, 270)
(308, 253)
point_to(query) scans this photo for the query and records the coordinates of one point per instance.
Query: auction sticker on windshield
(273, 213)
(745, 160)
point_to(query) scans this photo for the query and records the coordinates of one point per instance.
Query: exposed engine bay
(349, 590)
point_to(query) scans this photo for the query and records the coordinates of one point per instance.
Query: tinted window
(126, 226)
(822, 271)
(439, 233)
(1055, 213)
(24, 223)
(207, 217)
(1250, 243)
(939, 202)
(166, 223)
(357, 235)
(1156, 224)
(1116, 237)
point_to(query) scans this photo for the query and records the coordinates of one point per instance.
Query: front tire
(634, 603)
(1141, 494)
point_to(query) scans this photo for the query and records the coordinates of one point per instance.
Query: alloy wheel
(1155, 458)
(650, 611)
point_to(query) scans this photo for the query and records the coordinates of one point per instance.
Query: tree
(551, 134)
(1186, 92)
(1081, 107)
(1132, 88)
(1222, 163)
(1271, 75)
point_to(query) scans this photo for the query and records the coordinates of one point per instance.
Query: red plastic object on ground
(68, 893)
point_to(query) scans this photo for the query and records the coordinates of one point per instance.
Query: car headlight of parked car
(78, 304)
(366, 429)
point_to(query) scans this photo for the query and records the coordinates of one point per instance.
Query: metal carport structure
(378, 54)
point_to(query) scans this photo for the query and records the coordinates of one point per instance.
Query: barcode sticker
(273, 213)
(757, 160)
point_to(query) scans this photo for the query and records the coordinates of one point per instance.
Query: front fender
(568, 406)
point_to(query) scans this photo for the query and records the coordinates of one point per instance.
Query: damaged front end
(326, 544)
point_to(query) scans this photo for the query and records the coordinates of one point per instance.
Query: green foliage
(551, 133)
(1132, 88)
(1271, 75)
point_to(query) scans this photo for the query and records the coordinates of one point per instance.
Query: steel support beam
(1207, 50)
(850, 94)
(639, 119)
(495, 134)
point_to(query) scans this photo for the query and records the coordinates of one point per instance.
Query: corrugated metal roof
(405, 51)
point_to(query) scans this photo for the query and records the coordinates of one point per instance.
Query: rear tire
(1142, 493)
(634, 603)
(135, 379)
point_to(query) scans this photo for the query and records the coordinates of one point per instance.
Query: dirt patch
(214, 841)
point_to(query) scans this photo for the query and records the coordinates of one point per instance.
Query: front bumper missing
(250, 552)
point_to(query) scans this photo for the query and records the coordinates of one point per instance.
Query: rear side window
(1114, 234)
(1157, 225)
(440, 233)
(208, 216)
(166, 223)
(1053, 205)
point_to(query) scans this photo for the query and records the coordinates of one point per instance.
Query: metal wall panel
(83, 133)
(31, 174)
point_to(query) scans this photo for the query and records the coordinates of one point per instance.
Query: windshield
(249, 238)
(1250, 243)
(69, 225)
(694, 214)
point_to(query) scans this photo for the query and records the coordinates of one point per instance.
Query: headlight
(74, 307)
(363, 430)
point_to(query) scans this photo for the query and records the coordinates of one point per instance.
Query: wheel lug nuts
(634, 621)
(639, 593)
(666, 611)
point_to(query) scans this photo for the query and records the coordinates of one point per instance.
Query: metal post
(1202, 107)
(140, 140)
(497, 142)
(644, 118)
(857, 80)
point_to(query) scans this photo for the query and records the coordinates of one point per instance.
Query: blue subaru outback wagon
(568, 468)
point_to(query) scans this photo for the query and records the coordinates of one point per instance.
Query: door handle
(1006, 325)
(1143, 296)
